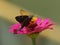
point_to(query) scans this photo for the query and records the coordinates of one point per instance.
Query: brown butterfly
(24, 19)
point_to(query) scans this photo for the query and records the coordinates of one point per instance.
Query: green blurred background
(42, 8)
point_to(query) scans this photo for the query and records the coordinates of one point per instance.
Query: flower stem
(33, 41)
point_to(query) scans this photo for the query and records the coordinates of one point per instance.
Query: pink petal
(20, 32)
(48, 25)
(38, 21)
(15, 26)
(24, 30)
(38, 29)
(45, 22)
(11, 30)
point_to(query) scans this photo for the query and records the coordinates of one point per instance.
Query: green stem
(33, 41)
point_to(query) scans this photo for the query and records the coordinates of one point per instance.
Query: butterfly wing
(26, 21)
(20, 19)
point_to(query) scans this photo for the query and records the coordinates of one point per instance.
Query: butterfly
(23, 19)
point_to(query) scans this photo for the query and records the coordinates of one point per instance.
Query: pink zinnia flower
(35, 27)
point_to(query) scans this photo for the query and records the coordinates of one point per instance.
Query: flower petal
(38, 21)
(45, 22)
(14, 27)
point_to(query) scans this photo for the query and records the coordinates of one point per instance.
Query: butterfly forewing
(20, 19)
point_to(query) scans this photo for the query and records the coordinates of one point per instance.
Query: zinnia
(36, 26)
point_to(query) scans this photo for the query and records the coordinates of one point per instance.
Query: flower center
(32, 25)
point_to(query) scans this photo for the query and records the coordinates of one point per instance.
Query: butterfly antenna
(21, 12)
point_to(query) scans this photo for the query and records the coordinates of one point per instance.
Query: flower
(36, 26)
